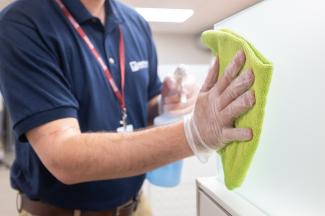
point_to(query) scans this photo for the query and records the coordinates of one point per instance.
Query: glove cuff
(194, 140)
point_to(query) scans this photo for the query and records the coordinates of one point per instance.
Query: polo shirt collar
(113, 11)
(81, 14)
(78, 10)
(113, 18)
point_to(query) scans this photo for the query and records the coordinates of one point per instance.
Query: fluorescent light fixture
(165, 14)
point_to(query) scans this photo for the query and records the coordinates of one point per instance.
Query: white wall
(179, 48)
(288, 173)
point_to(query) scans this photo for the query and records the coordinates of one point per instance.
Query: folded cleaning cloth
(237, 156)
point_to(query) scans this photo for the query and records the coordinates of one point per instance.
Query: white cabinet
(207, 206)
(213, 199)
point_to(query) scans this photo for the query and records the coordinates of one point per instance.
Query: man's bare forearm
(99, 156)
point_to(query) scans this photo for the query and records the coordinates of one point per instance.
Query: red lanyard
(119, 95)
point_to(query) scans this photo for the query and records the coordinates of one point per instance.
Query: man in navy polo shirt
(66, 109)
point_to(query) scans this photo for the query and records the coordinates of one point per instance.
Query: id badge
(127, 129)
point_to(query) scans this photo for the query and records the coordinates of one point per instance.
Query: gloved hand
(171, 96)
(219, 103)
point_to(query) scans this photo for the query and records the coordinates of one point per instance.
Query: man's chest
(85, 74)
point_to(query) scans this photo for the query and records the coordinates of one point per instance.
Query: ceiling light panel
(165, 14)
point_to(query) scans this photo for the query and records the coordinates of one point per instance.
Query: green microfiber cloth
(237, 156)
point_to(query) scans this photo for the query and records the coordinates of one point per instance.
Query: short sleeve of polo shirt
(155, 84)
(34, 87)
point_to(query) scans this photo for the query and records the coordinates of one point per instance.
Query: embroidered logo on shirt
(138, 65)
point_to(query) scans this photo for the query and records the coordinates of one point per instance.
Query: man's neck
(96, 8)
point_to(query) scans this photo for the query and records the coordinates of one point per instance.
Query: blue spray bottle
(170, 174)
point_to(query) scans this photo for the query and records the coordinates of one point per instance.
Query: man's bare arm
(75, 157)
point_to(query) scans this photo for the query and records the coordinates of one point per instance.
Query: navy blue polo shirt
(48, 73)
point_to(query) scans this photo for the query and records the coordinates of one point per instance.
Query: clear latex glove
(219, 103)
(176, 99)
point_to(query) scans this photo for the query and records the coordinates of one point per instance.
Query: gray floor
(7, 195)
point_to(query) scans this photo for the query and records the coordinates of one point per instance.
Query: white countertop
(229, 200)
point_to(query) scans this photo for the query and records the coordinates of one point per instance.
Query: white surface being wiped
(287, 175)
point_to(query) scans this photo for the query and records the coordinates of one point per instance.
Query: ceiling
(206, 13)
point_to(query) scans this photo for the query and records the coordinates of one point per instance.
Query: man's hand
(219, 103)
(171, 97)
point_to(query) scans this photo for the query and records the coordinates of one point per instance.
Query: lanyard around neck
(119, 94)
